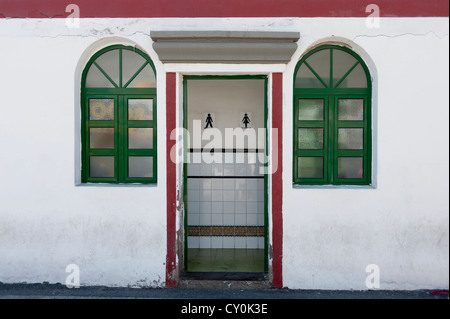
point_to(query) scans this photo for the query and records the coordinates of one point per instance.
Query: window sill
(333, 186)
(115, 185)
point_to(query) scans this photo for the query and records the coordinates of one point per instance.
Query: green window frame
(332, 138)
(118, 117)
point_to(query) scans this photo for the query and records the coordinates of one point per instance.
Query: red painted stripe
(277, 181)
(222, 8)
(171, 180)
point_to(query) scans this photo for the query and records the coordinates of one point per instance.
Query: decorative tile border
(226, 231)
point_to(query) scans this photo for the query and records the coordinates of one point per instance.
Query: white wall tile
(193, 207)
(216, 207)
(261, 159)
(205, 242)
(252, 242)
(193, 169)
(196, 158)
(228, 207)
(251, 158)
(228, 195)
(260, 169)
(252, 196)
(260, 184)
(193, 219)
(205, 169)
(193, 195)
(240, 195)
(217, 169)
(260, 220)
(240, 170)
(252, 219)
(193, 242)
(227, 201)
(205, 208)
(215, 158)
(251, 170)
(228, 158)
(261, 196)
(239, 158)
(261, 207)
(240, 184)
(193, 183)
(228, 183)
(240, 207)
(205, 183)
(205, 219)
(188, 158)
(240, 219)
(261, 242)
(205, 195)
(228, 242)
(228, 169)
(216, 242)
(228, 219)
(217, 219)
(252, 184)
(216, 183)
(240, 242)
(216, 195)
(252, 207)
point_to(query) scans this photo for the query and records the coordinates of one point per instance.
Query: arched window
(332, 118)
(118, 109)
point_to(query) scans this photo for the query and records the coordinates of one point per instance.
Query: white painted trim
(223, 69)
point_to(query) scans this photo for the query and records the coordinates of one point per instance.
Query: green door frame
(266, 152)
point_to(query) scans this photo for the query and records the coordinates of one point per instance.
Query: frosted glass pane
(320, 63)
(101, 137)
(145, 79)
(310, 110)
(101, 166)
(140, 166)
(342, 62)
(140, 110)
(131, 62)
(96, 79)
(351, 110)
(140, 138)
(101, 109)
(306, 79)
(310, 167)
(310, 138)
(356, 79)
(109, 62)
(350, 139)
(350, 167)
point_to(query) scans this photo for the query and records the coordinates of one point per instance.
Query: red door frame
(171, 182)
(277, 181)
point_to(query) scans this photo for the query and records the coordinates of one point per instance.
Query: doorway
(225, 193)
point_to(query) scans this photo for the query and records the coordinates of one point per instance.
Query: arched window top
(332, 134)
(120, 67)
(331, 67)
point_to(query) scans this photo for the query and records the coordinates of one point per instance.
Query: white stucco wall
(401, 223)
(117, 234)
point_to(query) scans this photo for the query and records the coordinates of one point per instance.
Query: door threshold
(224, 280)
(250, 276)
